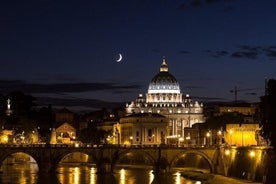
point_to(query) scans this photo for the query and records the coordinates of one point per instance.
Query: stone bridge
(162, 158)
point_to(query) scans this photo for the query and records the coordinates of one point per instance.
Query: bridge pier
(104, 166)
(46, 167)
(161, 166)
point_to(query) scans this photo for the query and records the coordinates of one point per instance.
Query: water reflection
(151, 176)
(93, 175)
(79, 174)
(122, 176)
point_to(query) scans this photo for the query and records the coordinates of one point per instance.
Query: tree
(93, 135)
(217, 122)
(268, 116)
(268, 112)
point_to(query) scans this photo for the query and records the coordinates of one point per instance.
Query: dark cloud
(251, 93)
(212, 1)
(90, 103)
(244, 51)
(270, 51)
(184, 52)
(245, 54)
(60, 94)
(200, 3)
(8, 86)
(202, 98)
(249, 48)
(217, 54)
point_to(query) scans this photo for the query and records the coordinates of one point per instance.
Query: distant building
(242, 134)
(143, 128)
(65, 133)
(164, 98)
(246, 109)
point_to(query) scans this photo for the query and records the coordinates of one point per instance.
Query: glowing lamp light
(252, 154)
(227, 152)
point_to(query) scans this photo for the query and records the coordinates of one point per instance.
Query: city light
(122, 176)
(252, 154)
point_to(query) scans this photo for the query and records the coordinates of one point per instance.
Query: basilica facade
(165, 98)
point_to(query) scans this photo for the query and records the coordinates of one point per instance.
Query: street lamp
(219, 137)
(227, 152)
(131, 139)
(208, 135)
(188, 138)
(252, 154)
(180, 140)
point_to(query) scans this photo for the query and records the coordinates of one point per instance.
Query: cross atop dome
(164, 66)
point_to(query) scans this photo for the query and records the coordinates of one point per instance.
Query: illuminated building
(165, 98)
(242, 134)
(6, 136)
(143, 128)
(65, 133)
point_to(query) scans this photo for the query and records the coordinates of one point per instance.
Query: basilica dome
(163, 82)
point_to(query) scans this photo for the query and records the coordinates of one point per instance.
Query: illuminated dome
(163, 82)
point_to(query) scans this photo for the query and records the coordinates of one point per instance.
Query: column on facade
(176, 127)
(144, 135)
(157, 135)
(173, 133)
(182, 127)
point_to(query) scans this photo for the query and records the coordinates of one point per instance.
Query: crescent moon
(120, 58)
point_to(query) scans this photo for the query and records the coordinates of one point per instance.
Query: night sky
(64, 52)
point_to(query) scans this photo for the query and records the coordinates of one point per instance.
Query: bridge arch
(71, 156)
(133, 156)
(5, 155)
(193, 155)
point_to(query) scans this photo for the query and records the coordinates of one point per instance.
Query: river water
(84, 174)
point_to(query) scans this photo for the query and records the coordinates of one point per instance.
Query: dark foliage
(268, 112)
(217, 122)
(268, 115)
(93, 135)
